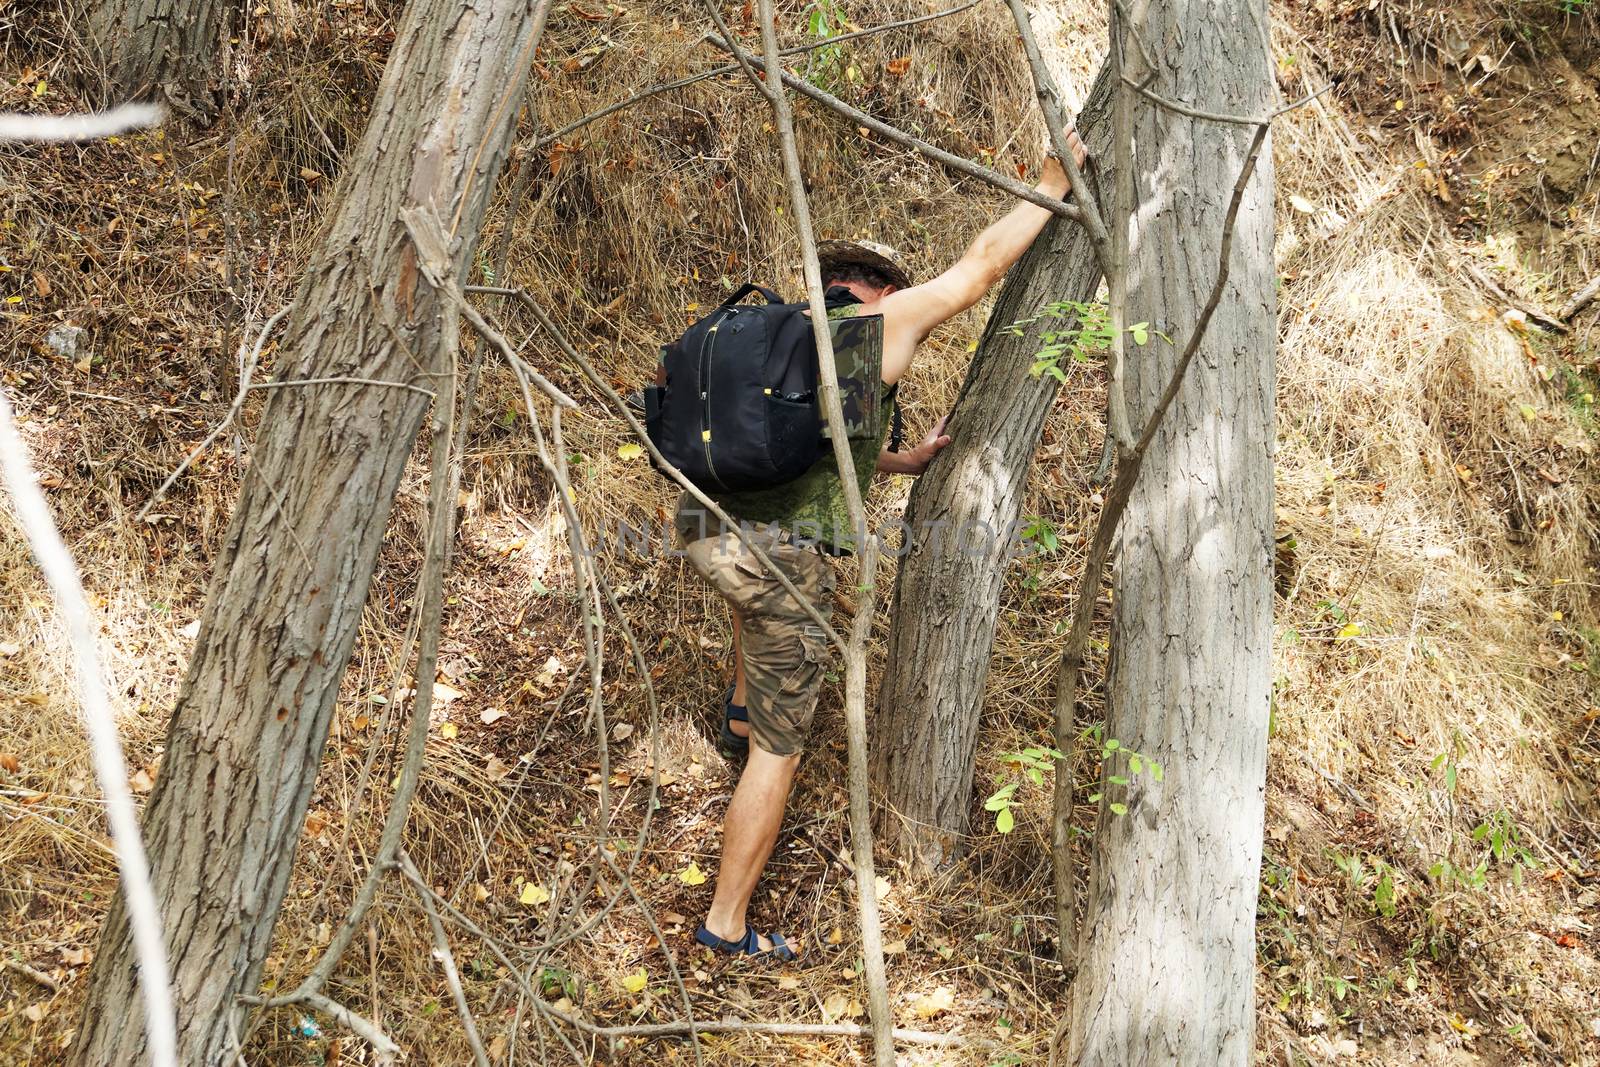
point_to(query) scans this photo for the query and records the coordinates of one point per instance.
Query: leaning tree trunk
(958, 523)
(163, 48)
(1167, 946)
(251, 721)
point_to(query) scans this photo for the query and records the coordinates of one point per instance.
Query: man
(779, 651)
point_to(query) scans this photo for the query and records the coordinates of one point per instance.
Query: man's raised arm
(909, 315)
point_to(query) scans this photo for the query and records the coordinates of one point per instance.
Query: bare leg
(740, 729)
(749, 830)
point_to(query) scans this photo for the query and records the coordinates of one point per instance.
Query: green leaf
(1094, 798)
(1140, 332)
(1156, 772)
(1135, 762)
(1118, 809)
(1118, 779)
(1004, 821)
(1113, 744)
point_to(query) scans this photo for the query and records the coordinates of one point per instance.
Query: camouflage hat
(835, 256)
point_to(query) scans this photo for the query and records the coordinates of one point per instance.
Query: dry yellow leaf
(692, 875)
(533, 894)
(635, 982)
(938, 1002)
(449, 730)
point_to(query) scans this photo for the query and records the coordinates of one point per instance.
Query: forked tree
(368, 342)
(1166, 959)
(164, 48)
(961, 512)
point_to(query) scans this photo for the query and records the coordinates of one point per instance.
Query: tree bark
(959, 535)
(161, 48)
(1167, 947)
(247, 734)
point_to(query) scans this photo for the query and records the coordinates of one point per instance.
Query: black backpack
(735, 405)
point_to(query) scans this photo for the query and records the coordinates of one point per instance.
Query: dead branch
(855, 657)
(110, 767)
(364, 1028)
(733, 68)
(447, 963)
(901, 137)
(245, 372)
(1582, 299)
(32, 974)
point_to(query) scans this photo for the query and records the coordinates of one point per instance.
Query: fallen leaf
(141, 782)
(894, 948)
(10, 763)
(41, 284)
(898, 67)
(77, 957)
(635, 982)
(835, 1006)
(938, 1002)
(496, 769)
(629, 451)
(490, 716)
(449, 730)
(35, 1013)
(1349, 630)
(309, 176)
(82, 366)
(835, 936)
(9, 648)
(533, 894)
(1301, 204)
(788, 982)
(444, 693)
(621, 732)
(191, 631)
(692, 875)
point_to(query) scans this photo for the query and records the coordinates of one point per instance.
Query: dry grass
(1439, 491)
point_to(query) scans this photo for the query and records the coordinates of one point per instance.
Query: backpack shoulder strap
(751, 287)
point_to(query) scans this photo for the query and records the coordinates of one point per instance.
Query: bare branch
(233, 411)
(359, 1025)
(732, 68)
(447, 963)
(1582, 299)
(81, 127)
(61, 573)
(900, 137)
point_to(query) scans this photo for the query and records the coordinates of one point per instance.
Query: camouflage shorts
(784, 648)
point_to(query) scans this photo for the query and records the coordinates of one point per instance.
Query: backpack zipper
(705, 393)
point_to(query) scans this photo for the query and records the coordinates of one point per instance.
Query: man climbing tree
(1167, 952)
(164, 48)
(369, 341)
(778, 648)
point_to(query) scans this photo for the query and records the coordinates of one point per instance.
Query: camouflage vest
(813, 505)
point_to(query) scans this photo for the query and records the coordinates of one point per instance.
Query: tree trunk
(1167, 947)
(164, 48)
(959, 525)
(248, 731)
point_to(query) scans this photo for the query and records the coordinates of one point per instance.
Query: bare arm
(909, 315)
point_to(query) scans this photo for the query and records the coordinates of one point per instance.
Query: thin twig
(227, 419)
(359, 1025)
(80, 127)
(32, 974)
(1582, 299)
(856, 653)
(447, 963)
(61, 574)
(901, 137)
(1218, 116)
(341, 380)
(733, 68)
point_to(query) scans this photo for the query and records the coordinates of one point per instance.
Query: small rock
(63, 340)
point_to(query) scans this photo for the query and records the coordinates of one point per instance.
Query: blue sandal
(731, 745)
(749, 945)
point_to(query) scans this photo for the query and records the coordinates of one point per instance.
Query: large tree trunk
(1167, 949)
(248, 731)
(165, 48)
(958, 522)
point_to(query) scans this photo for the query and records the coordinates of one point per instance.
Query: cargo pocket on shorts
(796, 703)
